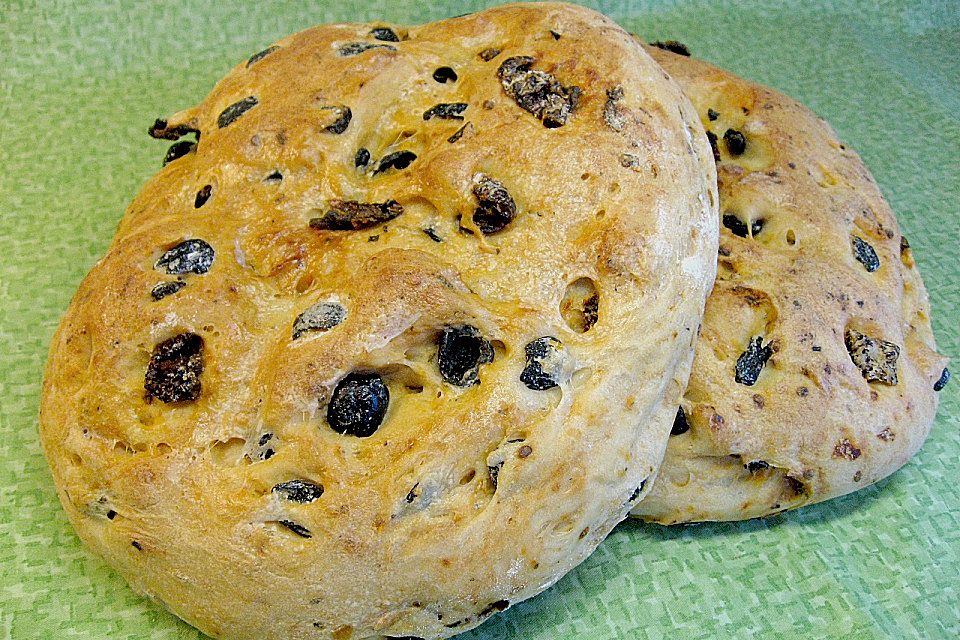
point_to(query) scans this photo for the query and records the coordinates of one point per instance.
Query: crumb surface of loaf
(397, 334)
(816, 371)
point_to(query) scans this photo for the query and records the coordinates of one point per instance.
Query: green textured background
(80, 84)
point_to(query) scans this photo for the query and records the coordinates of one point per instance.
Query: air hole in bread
(401, 378)
(581, 376)
(826, 178)
(500, 349)
(420, 353)
(304, 283)
(580, 306)
(123, 448)
(564, 526)
(229, 453)
(468, 477)
(791, 237)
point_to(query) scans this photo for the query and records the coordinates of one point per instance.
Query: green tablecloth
(80, 84)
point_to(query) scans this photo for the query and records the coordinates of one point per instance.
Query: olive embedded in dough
(358, 405)
(462, 351)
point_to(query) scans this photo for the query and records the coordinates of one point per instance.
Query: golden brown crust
(812, 426)
(440, 517)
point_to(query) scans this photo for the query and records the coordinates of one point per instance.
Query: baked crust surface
(375, 224)
(812, 262)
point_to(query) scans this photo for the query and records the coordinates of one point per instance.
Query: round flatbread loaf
(816, 371)
(399, 338)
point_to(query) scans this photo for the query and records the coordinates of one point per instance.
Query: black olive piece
(276, 176)
(355, 48)
(458, 133)
(190, 256)
(344, 116)
(494, 472)
(351, 216)
(538, 92)
(257, 57)
(943, 380)
(756, 465)
(136, 545)
(489, 54)
(164, 289)
(161, 131)
(397, 160)
(739, 228)
(202, 196)
(432, 234)
(736, 142)
(865, 254)
(680, 424)
(751, 362)
(673, 46)
(876, 359)
(177, 150)
(556, 36)
(229, 115)
(446, 111)
(384, 34)
(173, 374)
(494, 607)
(613, 113)
(537, 352)
(629, 161)
(265, 453)
(362, 158)
(300, 491)
(461, 353)
(444, 75)
(712, 115)
(298, 529)
(322, 316)
(636, 492)
(497, 208)
(591, 311)
(712, 139)
(111, 514)
(796, 486)
(412, 494)
(358, 405)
